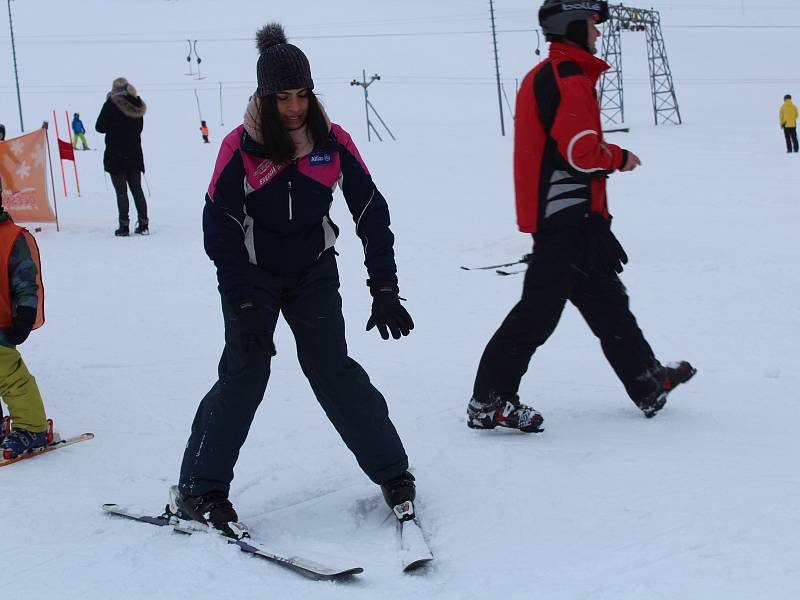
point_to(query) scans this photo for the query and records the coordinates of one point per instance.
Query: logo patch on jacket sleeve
(317, 159)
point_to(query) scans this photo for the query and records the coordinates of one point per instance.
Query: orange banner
(22, 169)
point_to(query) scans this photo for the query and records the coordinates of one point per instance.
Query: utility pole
(16, 73)
(497, 70)
(368, 105)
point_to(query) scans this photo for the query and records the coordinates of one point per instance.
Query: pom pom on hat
(269, 35)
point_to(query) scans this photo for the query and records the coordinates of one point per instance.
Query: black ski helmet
(567, 20)
(556, 15)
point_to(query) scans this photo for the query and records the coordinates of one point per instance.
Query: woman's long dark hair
(278, 144)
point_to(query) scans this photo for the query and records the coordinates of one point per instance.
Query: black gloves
(604, 253)
(254, 331)
(387, 312)
(21, 325)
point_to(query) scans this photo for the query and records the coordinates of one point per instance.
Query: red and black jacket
(560, 158)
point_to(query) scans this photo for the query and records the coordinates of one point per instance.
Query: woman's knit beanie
(281, 66)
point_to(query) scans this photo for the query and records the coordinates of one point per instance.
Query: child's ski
(56, 445)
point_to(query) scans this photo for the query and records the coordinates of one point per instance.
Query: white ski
(413, 547)
(305, 567)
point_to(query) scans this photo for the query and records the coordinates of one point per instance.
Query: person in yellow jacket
(21, 310)
(788, 119)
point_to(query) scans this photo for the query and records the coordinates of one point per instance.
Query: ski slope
(698, 503)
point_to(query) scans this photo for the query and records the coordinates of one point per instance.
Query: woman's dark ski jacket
(276, 216)
(122, 120)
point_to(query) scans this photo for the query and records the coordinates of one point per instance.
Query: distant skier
(560, 167)
(21, 310)
(78, 132)
(122, 120)
(788, 121)
(204, 131)
(2, 132)
(268, 230)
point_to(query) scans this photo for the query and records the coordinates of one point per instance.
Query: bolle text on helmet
(581, 6)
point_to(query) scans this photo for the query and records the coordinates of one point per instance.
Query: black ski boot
(142, 228)
(664, 380)
(399, 494)
(122, 231)
(503, 412)
(213, 509)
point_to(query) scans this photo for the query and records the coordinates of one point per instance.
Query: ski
(412, 546)
(55, 445)
(305, 567)
(524, 260)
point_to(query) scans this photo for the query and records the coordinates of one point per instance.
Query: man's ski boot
(122, 231)
(22, 441)
(212, 509)
(399, 494)
(664, 380)
(142, 228)
(503, 412)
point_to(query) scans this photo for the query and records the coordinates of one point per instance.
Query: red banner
(22, 168)
(65, 151)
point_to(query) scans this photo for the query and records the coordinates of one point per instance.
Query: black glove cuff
(25, 314)
(376, 288)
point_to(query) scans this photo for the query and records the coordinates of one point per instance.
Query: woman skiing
(267, 229)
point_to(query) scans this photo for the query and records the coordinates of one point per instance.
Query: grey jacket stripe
(249, 241)
(557, 189)
(330, 234)
(556, 205)
(559, 176)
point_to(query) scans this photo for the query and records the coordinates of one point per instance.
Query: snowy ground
(700, 502)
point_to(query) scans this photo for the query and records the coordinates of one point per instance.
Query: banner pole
(74, 162)
(60, 161)
(52, 179)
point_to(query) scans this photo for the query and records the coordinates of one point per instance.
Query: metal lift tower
(665, 103)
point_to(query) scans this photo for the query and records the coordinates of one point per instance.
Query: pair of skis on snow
(413, 548)
(500, 269)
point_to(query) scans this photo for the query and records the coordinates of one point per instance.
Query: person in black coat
(121, 120)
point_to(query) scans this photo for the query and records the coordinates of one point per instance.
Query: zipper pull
(290, 200)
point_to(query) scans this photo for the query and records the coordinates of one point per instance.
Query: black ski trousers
(790, 133)
(311, 304)
(558, 272)
(121, 180)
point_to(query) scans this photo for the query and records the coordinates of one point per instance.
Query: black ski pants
(790, 133)
(121, 180)
(558, 272)
(311, 304)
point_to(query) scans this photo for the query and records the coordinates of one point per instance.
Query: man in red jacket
(561, 163)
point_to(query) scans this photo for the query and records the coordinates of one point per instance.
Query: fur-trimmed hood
(125, 97)
(130, 105)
